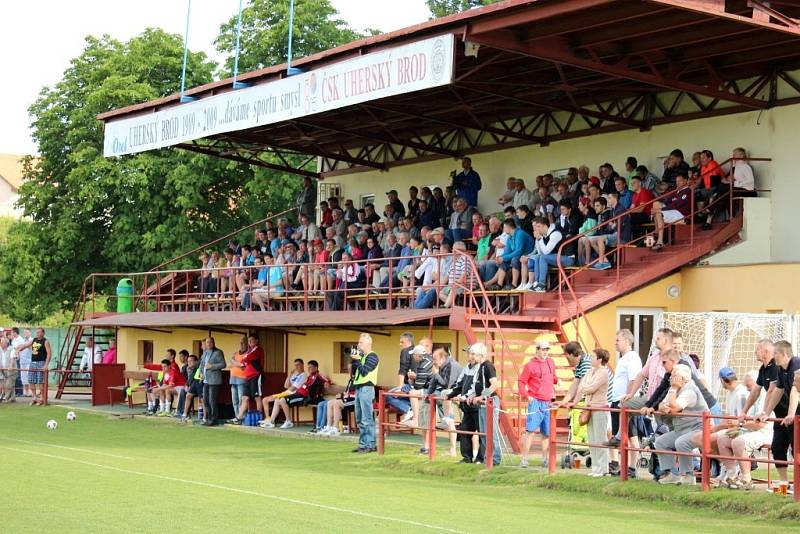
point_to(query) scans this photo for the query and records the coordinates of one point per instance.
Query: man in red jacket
(251, 364)
(536, 382)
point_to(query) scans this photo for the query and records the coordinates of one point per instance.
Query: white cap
(419, 349)
(542, 344)
(478, 349)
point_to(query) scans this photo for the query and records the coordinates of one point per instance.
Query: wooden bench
(127, 391)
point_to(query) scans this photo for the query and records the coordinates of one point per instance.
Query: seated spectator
(648, 180)
(630, 167)
(293, 381)
(317, 270)
(193, 388)
(589, 222)
(269, 284)
(348, 277)
(477, 219)
(569, 221)
(562, 193)
(389, 213)
(597, 241)
(507, 198)
(675, 208)
(740, 173)
(709, 189)
(625, 195)
(438, 205)
(573, 184)
(456, 275)
(694, 169)
(432, 271)
(229, 275)
(338, 223)
(544, 205)
(510, 213)
(307, 231)
(374, 253)
(673, 166)
(335, 251)
(367, 214)
(683, 397)
(534, 268)
(413, 202)
(522, 196)
(398, 209)
(460, 227)
(426, 216)
(162, 389)
(583, 195)
(641, 205)
(483, 244)
(607, 177)
(335, 409)
(519, 244)
(525, 219)
(326, 214)
(350, 214)
(497, 242)
(309, 392)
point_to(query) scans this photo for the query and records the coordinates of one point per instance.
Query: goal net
(728, 339)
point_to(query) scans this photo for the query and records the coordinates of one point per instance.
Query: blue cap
(726, 373)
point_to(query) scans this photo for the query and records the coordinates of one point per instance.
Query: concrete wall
(771, 133)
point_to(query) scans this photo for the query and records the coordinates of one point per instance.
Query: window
(367, 199)
(559, 174)
(343, 349)
(642, 322)
(145, 352)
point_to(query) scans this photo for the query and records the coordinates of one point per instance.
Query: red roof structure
(534, 72)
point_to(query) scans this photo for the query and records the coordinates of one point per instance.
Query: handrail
(220, 239)
(565, 279)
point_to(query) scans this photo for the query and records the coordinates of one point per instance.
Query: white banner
(398, 70)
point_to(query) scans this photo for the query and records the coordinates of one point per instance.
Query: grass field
(144, 475)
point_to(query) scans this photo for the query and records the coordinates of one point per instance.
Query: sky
(40, 37)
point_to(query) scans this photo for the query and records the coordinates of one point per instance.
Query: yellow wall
(771, 133)
(179, 338)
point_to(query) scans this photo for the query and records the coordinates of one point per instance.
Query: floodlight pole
(238, 85)
(185, 98)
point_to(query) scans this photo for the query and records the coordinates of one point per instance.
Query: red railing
(384, 425)
(566, 279)
(704, 454)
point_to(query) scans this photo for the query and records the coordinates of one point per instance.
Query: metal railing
(566, 278)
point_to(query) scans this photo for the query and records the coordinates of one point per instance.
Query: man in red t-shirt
(537, 383)
(640, 205)
(167, 377)
(310, 392)
(250, 364)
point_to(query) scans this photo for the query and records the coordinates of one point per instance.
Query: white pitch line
(88, 451)
(237, 490)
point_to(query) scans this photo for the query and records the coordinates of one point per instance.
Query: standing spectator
(211, 365)
(193, 389)
(22, 346)
(536, 382)
(444, 373)
(467, 183)
(766, 379)
(307, 200)
(683, 397)
(469, 412)
(485, 386)
(778, 401)
(628, 368)
(593, 387)
(237, 378)
(413, 202)
(92, 354)
(40, 357)
(365, 378)
(8, 371)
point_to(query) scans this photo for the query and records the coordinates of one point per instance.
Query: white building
(10, 181)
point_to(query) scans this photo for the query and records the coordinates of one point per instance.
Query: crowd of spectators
(23, 357)
(416, 245)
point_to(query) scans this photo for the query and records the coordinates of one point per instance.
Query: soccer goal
(728, 339)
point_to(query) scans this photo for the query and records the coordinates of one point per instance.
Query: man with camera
(365, 378)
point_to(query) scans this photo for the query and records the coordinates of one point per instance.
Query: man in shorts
(251, 365)
(309, 392)
(537, 382)
(673, 209)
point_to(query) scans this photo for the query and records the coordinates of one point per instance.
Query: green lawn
(144, 475)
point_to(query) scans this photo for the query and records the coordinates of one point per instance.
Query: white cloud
(41, 36)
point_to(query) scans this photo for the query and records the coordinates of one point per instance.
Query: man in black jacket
(469, 412)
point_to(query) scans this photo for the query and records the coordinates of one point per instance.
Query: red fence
(384, 425)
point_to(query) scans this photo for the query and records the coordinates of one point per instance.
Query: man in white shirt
(22, 346)
(92, 354)
(535, 267)
(740, 171)
(629, 365)
(522, 196)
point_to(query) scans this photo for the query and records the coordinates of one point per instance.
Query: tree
(442, 8)
(93, 214)
(265, 32)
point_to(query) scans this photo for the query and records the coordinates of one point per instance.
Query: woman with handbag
(594, 388)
